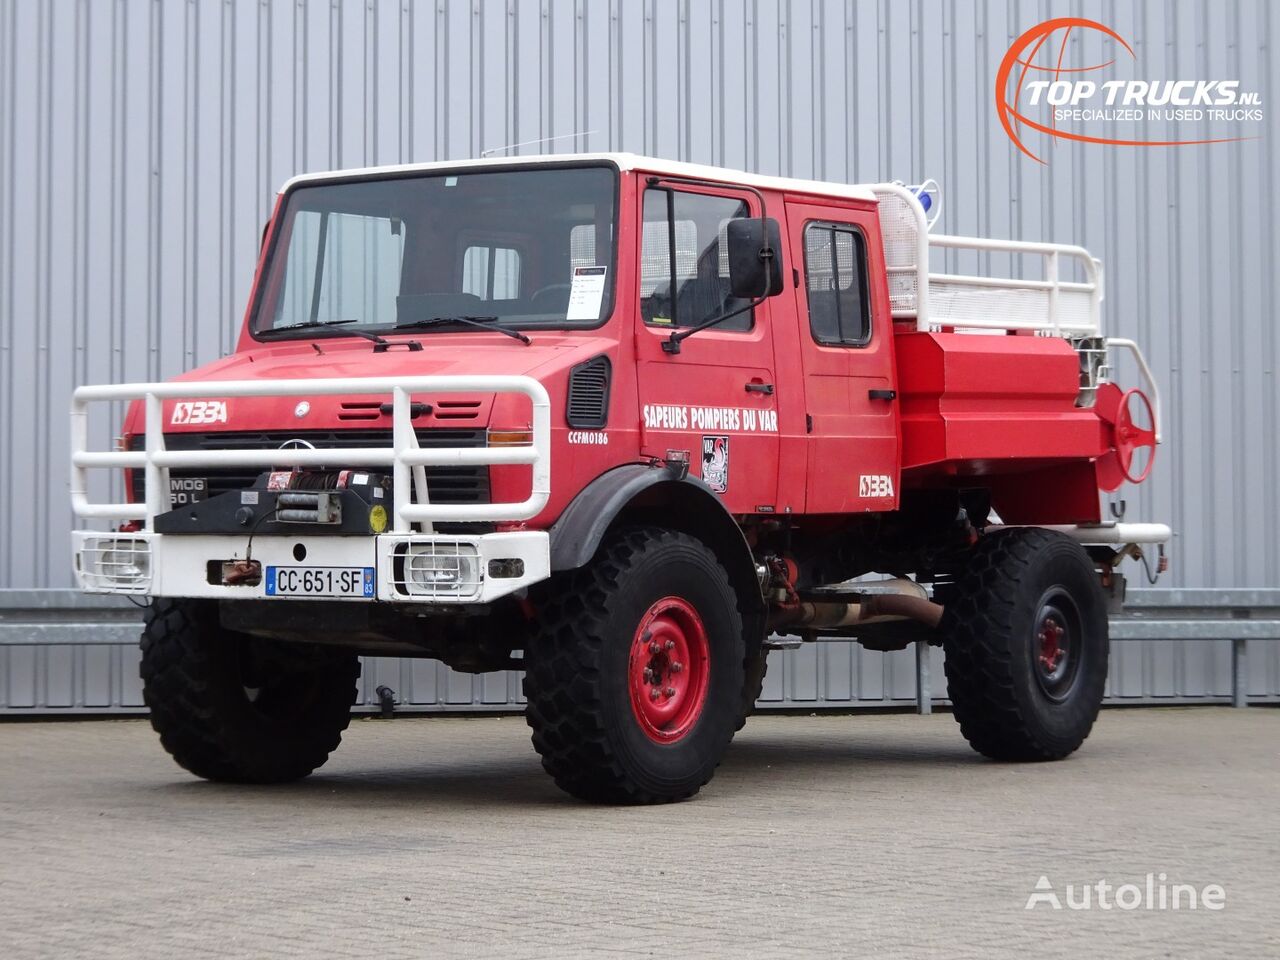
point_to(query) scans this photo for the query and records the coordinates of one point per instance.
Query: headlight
(116, 564)
(441, 568)
(127, 565)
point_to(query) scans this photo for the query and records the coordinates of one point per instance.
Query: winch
(344, 502)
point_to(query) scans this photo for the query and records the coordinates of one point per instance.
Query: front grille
(465, 485)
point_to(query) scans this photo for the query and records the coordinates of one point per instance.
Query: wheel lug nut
(677, 667)
(648, 673)
(670, 691)
(655, 647)
(653, 694)
(670, 645)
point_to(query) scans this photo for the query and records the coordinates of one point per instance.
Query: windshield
(512, 248)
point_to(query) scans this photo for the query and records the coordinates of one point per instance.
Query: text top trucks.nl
(616, 422)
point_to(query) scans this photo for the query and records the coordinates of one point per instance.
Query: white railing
(1148, 379)
(407, 460)
(1049, 305)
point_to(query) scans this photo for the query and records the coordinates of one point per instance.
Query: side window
(342, 266)
(835, 273)
(684, 263)
(491, 273)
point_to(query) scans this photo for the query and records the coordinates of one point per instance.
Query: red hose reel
(1131, 436)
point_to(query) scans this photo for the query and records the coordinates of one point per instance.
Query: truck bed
(987, 404)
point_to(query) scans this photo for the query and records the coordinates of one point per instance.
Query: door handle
(756, 386)
(882, 394)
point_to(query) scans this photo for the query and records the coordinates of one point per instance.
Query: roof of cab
(623, 161)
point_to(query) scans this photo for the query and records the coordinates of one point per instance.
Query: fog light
(125, 564)
(116, 564)
(440, 568)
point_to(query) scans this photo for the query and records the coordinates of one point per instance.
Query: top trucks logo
(1058, 92)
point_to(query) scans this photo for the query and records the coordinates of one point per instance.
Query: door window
(684, 260)
(835, 269)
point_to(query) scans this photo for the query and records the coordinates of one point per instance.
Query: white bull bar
(408, 460)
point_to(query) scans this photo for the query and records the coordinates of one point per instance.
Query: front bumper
(409, 567)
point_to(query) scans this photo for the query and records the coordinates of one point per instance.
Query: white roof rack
(1048, 305)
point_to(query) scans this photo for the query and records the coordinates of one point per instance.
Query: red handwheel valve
(1127, 437)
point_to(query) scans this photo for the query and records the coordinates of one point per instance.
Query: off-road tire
(193, 683)
(999, 694)
(577, 663)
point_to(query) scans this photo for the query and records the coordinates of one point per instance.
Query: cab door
(846, 350)
(714, 401)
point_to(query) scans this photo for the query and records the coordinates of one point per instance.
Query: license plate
(187, 490)
(319, 582)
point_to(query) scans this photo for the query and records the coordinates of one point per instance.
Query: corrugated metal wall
(65, 652)
(141, 142)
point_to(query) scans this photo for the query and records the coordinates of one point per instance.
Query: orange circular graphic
(1021, 60)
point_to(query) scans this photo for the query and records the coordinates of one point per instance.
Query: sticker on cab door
(715, 463)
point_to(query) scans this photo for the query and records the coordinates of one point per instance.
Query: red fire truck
(622, 424)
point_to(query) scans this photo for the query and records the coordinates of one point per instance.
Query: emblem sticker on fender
(199, 411)
(873, 485)
(715, 463)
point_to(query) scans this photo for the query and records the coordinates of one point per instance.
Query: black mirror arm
(672, 343)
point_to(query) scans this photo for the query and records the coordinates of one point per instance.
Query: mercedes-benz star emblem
(302, 409)
(297, 444)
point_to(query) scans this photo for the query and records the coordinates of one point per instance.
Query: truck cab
(614, 421)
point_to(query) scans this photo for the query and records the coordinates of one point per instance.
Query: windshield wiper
(483, 322)
(318, 325)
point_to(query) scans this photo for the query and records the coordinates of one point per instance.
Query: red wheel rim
(668, 670)
(1052, 649)
(1056, 645)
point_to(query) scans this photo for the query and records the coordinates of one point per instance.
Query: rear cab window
(836, 289)
(491, 273)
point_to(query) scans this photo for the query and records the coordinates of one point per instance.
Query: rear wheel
(634, 675)
(755, 668)
(1026, 643)
(234, 708)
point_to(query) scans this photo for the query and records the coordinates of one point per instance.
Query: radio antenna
(526, 143)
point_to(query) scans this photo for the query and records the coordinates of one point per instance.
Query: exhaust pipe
(907, 601)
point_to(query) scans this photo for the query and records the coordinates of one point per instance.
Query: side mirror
(752, 275)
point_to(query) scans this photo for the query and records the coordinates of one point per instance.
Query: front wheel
(635, 670)
(234, 708)
(1025, 635)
